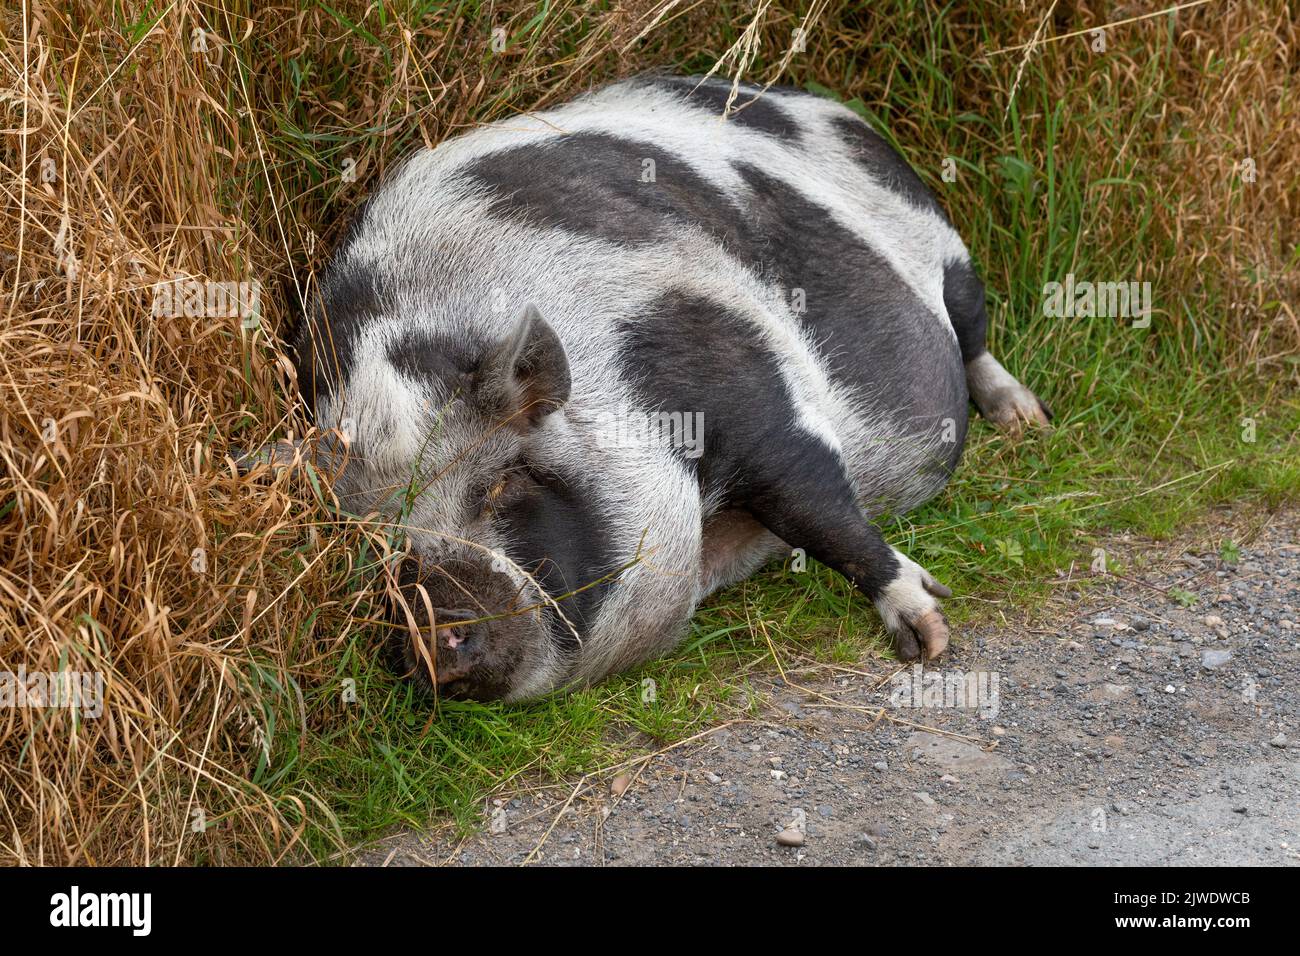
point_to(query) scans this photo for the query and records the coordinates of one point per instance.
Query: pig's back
(635, 202)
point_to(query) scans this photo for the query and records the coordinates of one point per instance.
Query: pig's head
(489, 548)
(464, 447)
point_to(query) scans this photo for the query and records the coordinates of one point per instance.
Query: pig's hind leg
(996, 392)
(800, 494)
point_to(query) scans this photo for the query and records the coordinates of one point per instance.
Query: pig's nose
(459, 643)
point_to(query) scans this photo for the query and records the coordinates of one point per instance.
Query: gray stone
(953, 756)
(1214, 658)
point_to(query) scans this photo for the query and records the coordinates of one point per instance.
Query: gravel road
(1124, 723)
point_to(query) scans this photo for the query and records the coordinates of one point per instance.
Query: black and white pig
(603, 360)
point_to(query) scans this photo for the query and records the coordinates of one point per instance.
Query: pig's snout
(459, 645)
(459, 629)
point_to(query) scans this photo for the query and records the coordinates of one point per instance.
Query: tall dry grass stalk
(128, 546)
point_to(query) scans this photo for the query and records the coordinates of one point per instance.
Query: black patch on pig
(590, 184)
(347, 300)
(963, 298)
(692, 354)
(427, 355)
(761, 114)
(883, 164)
(874, 332)
(558, 536)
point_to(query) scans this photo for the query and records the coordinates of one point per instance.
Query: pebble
(1279, 740)
(789, 837)
(1211, 659)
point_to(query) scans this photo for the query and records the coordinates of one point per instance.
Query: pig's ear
(526, 376)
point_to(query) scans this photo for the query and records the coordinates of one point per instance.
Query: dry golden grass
(129, 158)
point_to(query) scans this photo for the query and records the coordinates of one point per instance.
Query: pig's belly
(909, 426)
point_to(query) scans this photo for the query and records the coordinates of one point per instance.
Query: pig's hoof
(1010, 409)
(910, 610)
(928, 634)
(1001, 398)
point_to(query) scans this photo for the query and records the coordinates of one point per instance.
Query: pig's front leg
(811, 505)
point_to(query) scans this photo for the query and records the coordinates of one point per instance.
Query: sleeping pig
(600, 361)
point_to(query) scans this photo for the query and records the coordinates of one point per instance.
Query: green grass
(1148, 435)
(1014, 514)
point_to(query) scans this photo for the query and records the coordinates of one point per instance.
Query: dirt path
(1129, 730)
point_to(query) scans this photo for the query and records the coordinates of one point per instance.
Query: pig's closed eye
(507, 486)
(497, 489)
